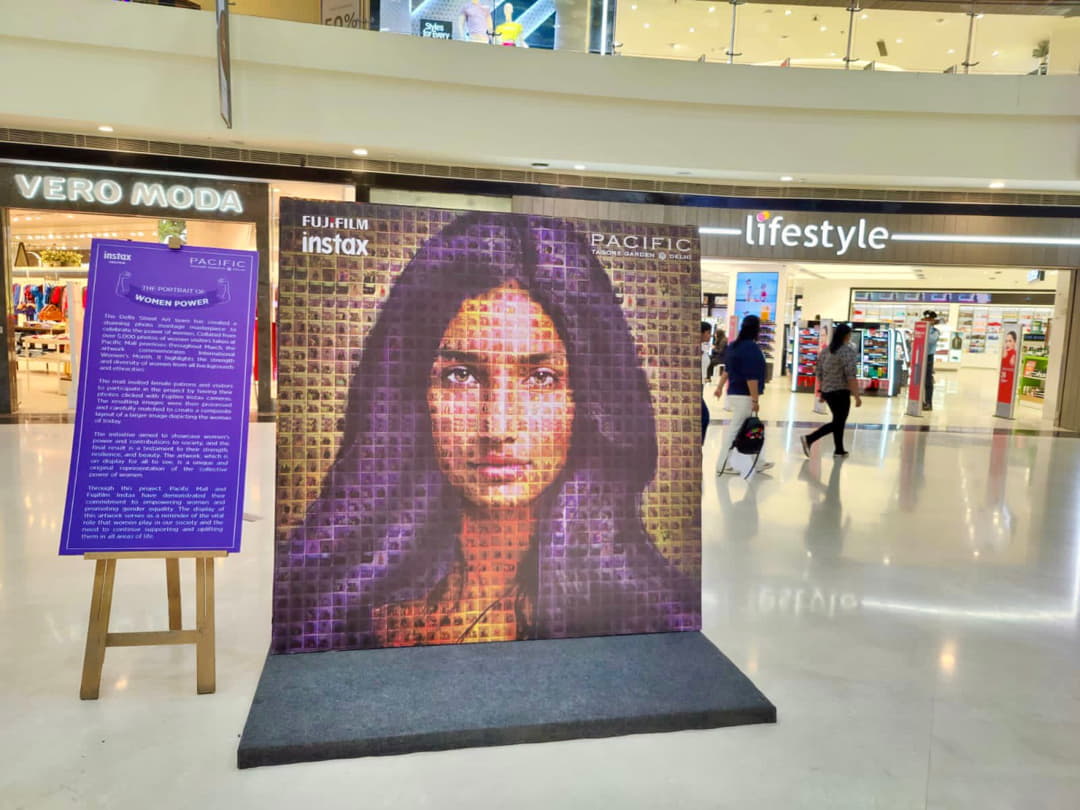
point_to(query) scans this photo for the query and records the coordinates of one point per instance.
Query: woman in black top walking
(836, 369)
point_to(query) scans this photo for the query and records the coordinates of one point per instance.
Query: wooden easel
(98, 637)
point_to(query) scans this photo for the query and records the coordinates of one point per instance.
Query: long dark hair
(839, 335)
(750, 328)
(385, 526)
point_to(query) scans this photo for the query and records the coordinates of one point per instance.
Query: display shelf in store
(1036, 362)
(878, 368)
(809, 342)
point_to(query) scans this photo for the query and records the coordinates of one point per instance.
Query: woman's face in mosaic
(502, 410)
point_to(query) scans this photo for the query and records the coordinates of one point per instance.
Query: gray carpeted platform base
(331, 705)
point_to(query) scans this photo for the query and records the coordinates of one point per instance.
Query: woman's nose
(502, 410)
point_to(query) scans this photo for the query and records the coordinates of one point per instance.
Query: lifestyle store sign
(892, 238)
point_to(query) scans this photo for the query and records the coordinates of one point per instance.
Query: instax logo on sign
(336, 245)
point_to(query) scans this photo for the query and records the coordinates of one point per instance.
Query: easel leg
(172, 587)
(205, 664)
(100, 608)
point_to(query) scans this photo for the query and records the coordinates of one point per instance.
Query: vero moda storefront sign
(892, 238)
(85, 188)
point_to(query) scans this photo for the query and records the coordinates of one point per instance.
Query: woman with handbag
(836, 371)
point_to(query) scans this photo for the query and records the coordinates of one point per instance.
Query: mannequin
(474, 21)
(509, 31)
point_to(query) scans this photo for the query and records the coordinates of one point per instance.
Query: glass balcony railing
(930, 36)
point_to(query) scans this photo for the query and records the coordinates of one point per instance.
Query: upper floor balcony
(1018, 37)
(920, 93)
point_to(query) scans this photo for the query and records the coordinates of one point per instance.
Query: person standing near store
(716, 357)
(706, 353)
(744, 373)
(932, 335)
(836, 372)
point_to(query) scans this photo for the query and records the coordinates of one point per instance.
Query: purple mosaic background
(367, 547)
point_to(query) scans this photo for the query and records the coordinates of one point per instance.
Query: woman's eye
(459, 375)
(543, 378)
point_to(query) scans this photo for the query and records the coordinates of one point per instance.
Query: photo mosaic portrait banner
(488, 428)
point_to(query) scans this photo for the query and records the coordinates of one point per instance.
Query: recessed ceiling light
(691, 30)
(633, 8)
(899, 40)
(105, 128)
(360, 151)
(646, 25)
(998, 184)
(995, 53)
(832, 53)
(952, 50)
(579, 167)
(979, 16)
(824, 28)
(866, 16)
(787, 12)
(786, 178)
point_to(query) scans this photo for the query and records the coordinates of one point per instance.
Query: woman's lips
(500, 469)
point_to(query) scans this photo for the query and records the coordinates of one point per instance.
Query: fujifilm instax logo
(336, 245)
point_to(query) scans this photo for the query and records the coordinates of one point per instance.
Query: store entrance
(980, 313)
(48, 262)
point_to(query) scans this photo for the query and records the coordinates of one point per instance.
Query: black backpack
(751, 437)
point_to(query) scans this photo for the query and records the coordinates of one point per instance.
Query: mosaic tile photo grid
(465, 409)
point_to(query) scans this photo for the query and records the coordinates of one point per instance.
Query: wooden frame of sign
(98, 637)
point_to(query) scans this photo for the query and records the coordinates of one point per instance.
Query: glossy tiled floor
(912, 611)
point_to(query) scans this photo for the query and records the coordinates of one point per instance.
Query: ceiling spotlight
(899, 40)
(865, 17)
(691, 30)
(786, 178)
(633, 7)
(787, 12)
(579, 167)
(824, 28)
(998, 184)
(712, 9)
(647, 25)
(995, 53)
(979, 16)
(952, 50)
(105, 128)
(360, 151)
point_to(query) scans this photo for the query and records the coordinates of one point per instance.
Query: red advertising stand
(918, 368)
(1008, 372)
